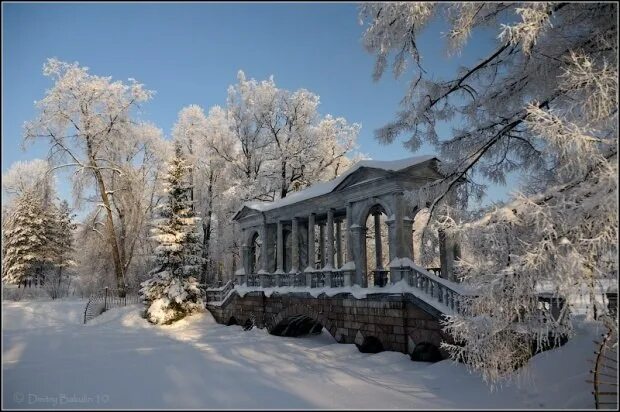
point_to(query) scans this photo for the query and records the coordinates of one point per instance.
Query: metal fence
(108, 298)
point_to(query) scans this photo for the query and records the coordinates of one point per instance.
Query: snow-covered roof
(319, 189)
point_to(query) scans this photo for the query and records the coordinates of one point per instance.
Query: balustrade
(438, 289)
(337, 279)
(380, 277)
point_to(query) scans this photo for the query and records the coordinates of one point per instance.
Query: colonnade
(341, 243)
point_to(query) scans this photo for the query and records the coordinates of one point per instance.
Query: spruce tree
(172, 292)
(60, 247)
(26, 240)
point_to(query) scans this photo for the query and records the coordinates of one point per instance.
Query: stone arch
(366, 207)
(254, 253)
(376, 243)
(303, 318)
(250, 234)
(426, 352)
(232, 320)
(370, 344)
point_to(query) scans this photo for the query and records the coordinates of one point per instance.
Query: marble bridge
(310, 261)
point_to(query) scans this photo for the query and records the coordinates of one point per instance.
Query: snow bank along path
(118, 360)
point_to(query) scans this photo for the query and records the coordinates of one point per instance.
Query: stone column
(321, 245)
(245, 263)
(407, 242)
(348, 235)
(294, 246)
(279, 248)
(264, 253)
(402, 228)
(338, 244)
(330, 238)
(392, 239)
(446, 255)
(363, 270)
(448, 249)
(244, 252)
(311, 251)
(358, 240)
(378, 245)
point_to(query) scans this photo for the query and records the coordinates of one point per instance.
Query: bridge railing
(438, 289)
(291, 280)
(316, 279)
(446, 293)
(218, 294)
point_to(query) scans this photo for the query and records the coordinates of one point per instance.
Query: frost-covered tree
(265, 143)
(27, 175)
(172, 292)
(542, 103)
(133, 195)
(90, 125)
(60, 239)
(29, 189)
(250, 151)
(283, 144)
(303, 147)
(200, 137)
(26, 240)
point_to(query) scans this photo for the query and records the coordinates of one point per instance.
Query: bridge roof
(322, 188)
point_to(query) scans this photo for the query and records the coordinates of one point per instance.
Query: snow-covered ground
(118, 360)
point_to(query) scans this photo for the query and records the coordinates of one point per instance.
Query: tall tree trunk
(118, 267)
(206, 228)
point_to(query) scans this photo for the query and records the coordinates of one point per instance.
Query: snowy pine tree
(172, 292)
(60, 235)
(26, 240)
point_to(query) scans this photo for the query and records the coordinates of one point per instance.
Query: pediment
(363, 174)
(245, 212)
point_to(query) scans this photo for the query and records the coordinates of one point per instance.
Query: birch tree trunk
(112, 241)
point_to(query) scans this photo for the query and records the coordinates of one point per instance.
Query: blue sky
(189, 53)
